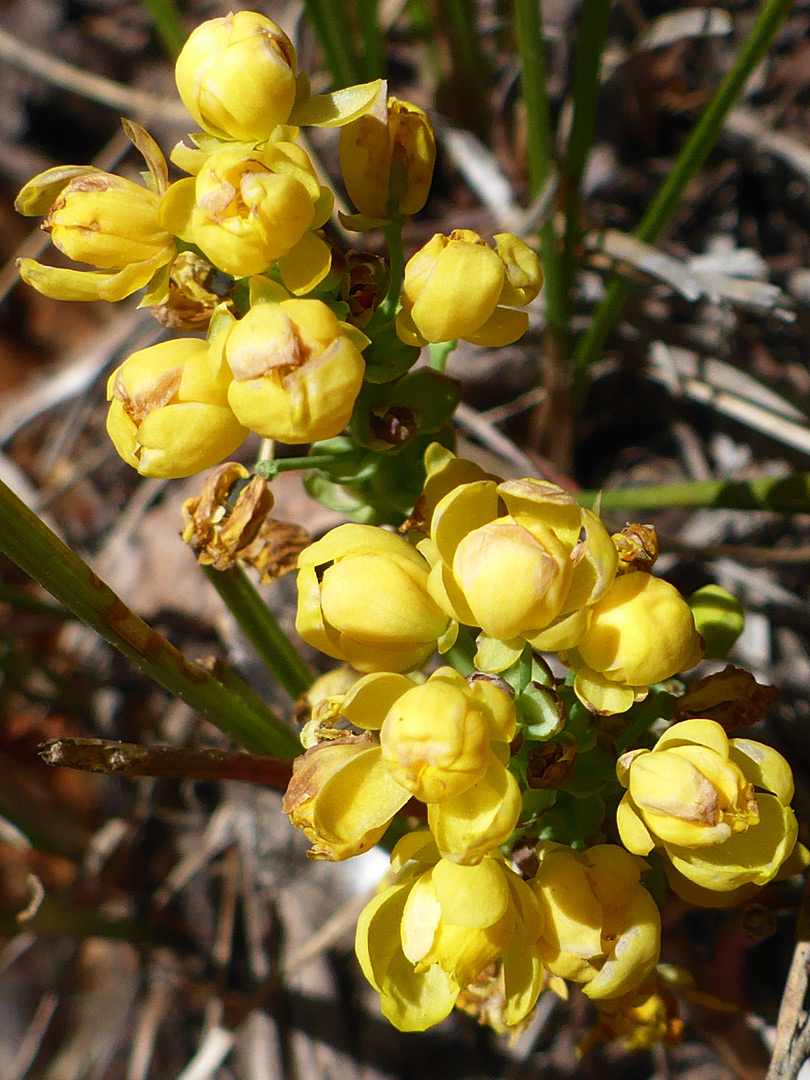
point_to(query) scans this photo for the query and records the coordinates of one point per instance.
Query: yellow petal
(603, 696)
(764, 767)
(471, 896)
(704, 732)
(503, 327)
(633, 832)
(305, 266)
(335, 109)
(61, 283)
(367, 703)
(469, 825)
(358, 802)
(39, 194)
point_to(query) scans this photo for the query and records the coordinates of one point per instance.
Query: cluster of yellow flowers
(541, 756)
(520, 562)
(238, 246)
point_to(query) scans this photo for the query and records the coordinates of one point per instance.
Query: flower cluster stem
(261, 627)
(38, 551)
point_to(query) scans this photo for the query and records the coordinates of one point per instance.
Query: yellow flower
(322, 797)
(103, 220)
(444, 741)
(387, 158)
(694, 795)
(236, 76)
(169, 413)
(249, 208)
(423, 939)
(296, 372)
(362, 598)
(531, 574)
(641, 632)
(601, 927)
(456, 286)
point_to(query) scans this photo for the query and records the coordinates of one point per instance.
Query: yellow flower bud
(601, 927)
(436, 737)
(387, 158)
(719, 618)
(641, 632)
(246, 209)
(169, 414)
(456, 286)
(694, 796)
(362, 598)
(296, 374)
(100, 219)
(423, 939)
(533, 573)
(236, 76)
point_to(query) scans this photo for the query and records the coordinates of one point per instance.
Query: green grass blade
(593, 28)
(539, 148)
(690, 159)
(168, 25)
(788, 495)
(37, 550)
(335, 36)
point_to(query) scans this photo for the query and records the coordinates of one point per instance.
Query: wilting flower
(169, 414)
(362, 598)
(249, 208)
(236, 76)
(640, 632)
(443, 741)
(601, 928)
(457, 286)
(219, 527)
(387, 158)
(423, 939)
(103, 220)
(717, 807)
(296, 370)
(532, 573)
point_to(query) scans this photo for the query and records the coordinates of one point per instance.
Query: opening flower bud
(236, 76)
(296, 373)
(169, 414)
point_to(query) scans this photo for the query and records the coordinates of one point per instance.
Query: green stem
(788, 495)
(692, 156)
(271, 467)
(593, 28)
(439, 353)
(539, 147)
(334, 34)
(261, 627)
(38, 551)
(396, 270)
(168, 25)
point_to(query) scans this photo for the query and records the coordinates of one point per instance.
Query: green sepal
(542, 711)
(388, 358)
